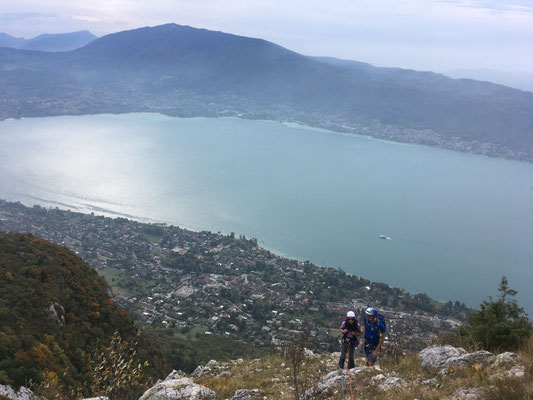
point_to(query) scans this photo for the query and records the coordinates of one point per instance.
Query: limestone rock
(57, 313)
(199, 371)
(8, 393)
(175, 375)
(482, 357)
(178, 389)
(329, 383)
(378, 378)
(436, 356)
(518, 371)
(212, 368)
(468, 394)
(506, 358)
(97, 398)
(308, 352)
(322, 388)
(245, 394)
(356, 371)
(431, 382)
(392, 383)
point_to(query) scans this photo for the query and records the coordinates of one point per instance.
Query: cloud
(418, 33)
(524, 6)
(85, 18)
(22, 17)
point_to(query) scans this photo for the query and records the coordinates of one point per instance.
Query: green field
(123, 285)
(151, 237)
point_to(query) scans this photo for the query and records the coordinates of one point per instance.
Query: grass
(117, 279)
(114, 277)
(273, 376)
(151, 237)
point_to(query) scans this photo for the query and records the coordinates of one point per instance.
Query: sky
(437, 35)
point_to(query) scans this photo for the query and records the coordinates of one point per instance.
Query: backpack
(380, 318)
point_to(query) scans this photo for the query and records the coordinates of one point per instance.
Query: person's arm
(381, 339)
(342, 328)
(364, 335)
(358, 333)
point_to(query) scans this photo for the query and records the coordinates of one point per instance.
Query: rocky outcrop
(378, 378)
(482, 357)
(392, 383)
(444, 357)
(214, 368)
(505, 359)
(328, 384)
(469, 394)
(8, 393)
(323, 387)
(246, 394)
(518, 371)
(177, 387)
(175, 375)
(437, 356)
(97, 398)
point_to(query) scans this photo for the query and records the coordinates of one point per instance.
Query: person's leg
(367, 352)
(351, 362)
(344, 348)
(371, 358)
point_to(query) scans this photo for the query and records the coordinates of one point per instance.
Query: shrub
(499, 324)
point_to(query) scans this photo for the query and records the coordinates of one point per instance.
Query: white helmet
(371, 311)
(350, 314)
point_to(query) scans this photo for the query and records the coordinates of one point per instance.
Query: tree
(294, 352)
(499, 324)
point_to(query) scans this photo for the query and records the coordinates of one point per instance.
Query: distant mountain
(10, 41)
(518, 80)
(49, 42)
(55, 312)
(179, 70)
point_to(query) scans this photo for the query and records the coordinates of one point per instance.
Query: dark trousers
(369, 349)
(345, 347)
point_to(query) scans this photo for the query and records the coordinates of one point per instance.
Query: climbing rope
(349, 377)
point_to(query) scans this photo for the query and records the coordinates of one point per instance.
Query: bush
(499, 324)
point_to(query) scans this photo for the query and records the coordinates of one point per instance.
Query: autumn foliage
(55, 313)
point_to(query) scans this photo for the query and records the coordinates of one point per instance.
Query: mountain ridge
(185, 71)
(51, 42)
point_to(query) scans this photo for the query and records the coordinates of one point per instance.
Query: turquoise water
(458, 222)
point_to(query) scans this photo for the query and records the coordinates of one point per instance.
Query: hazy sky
(436, 35)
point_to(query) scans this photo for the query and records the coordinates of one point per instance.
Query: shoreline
(298, 124)
(259, 242)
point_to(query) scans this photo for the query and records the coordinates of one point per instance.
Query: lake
(457, 222)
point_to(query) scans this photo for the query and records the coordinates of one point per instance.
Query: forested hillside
(56, 317)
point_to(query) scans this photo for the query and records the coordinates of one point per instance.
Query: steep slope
(181, 70)
(54, 313)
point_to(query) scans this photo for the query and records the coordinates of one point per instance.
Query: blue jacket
(372, 331)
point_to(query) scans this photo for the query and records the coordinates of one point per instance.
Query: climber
(350, 329)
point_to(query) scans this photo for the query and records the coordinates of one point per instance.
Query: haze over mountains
(49, 42)
(183, 71)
